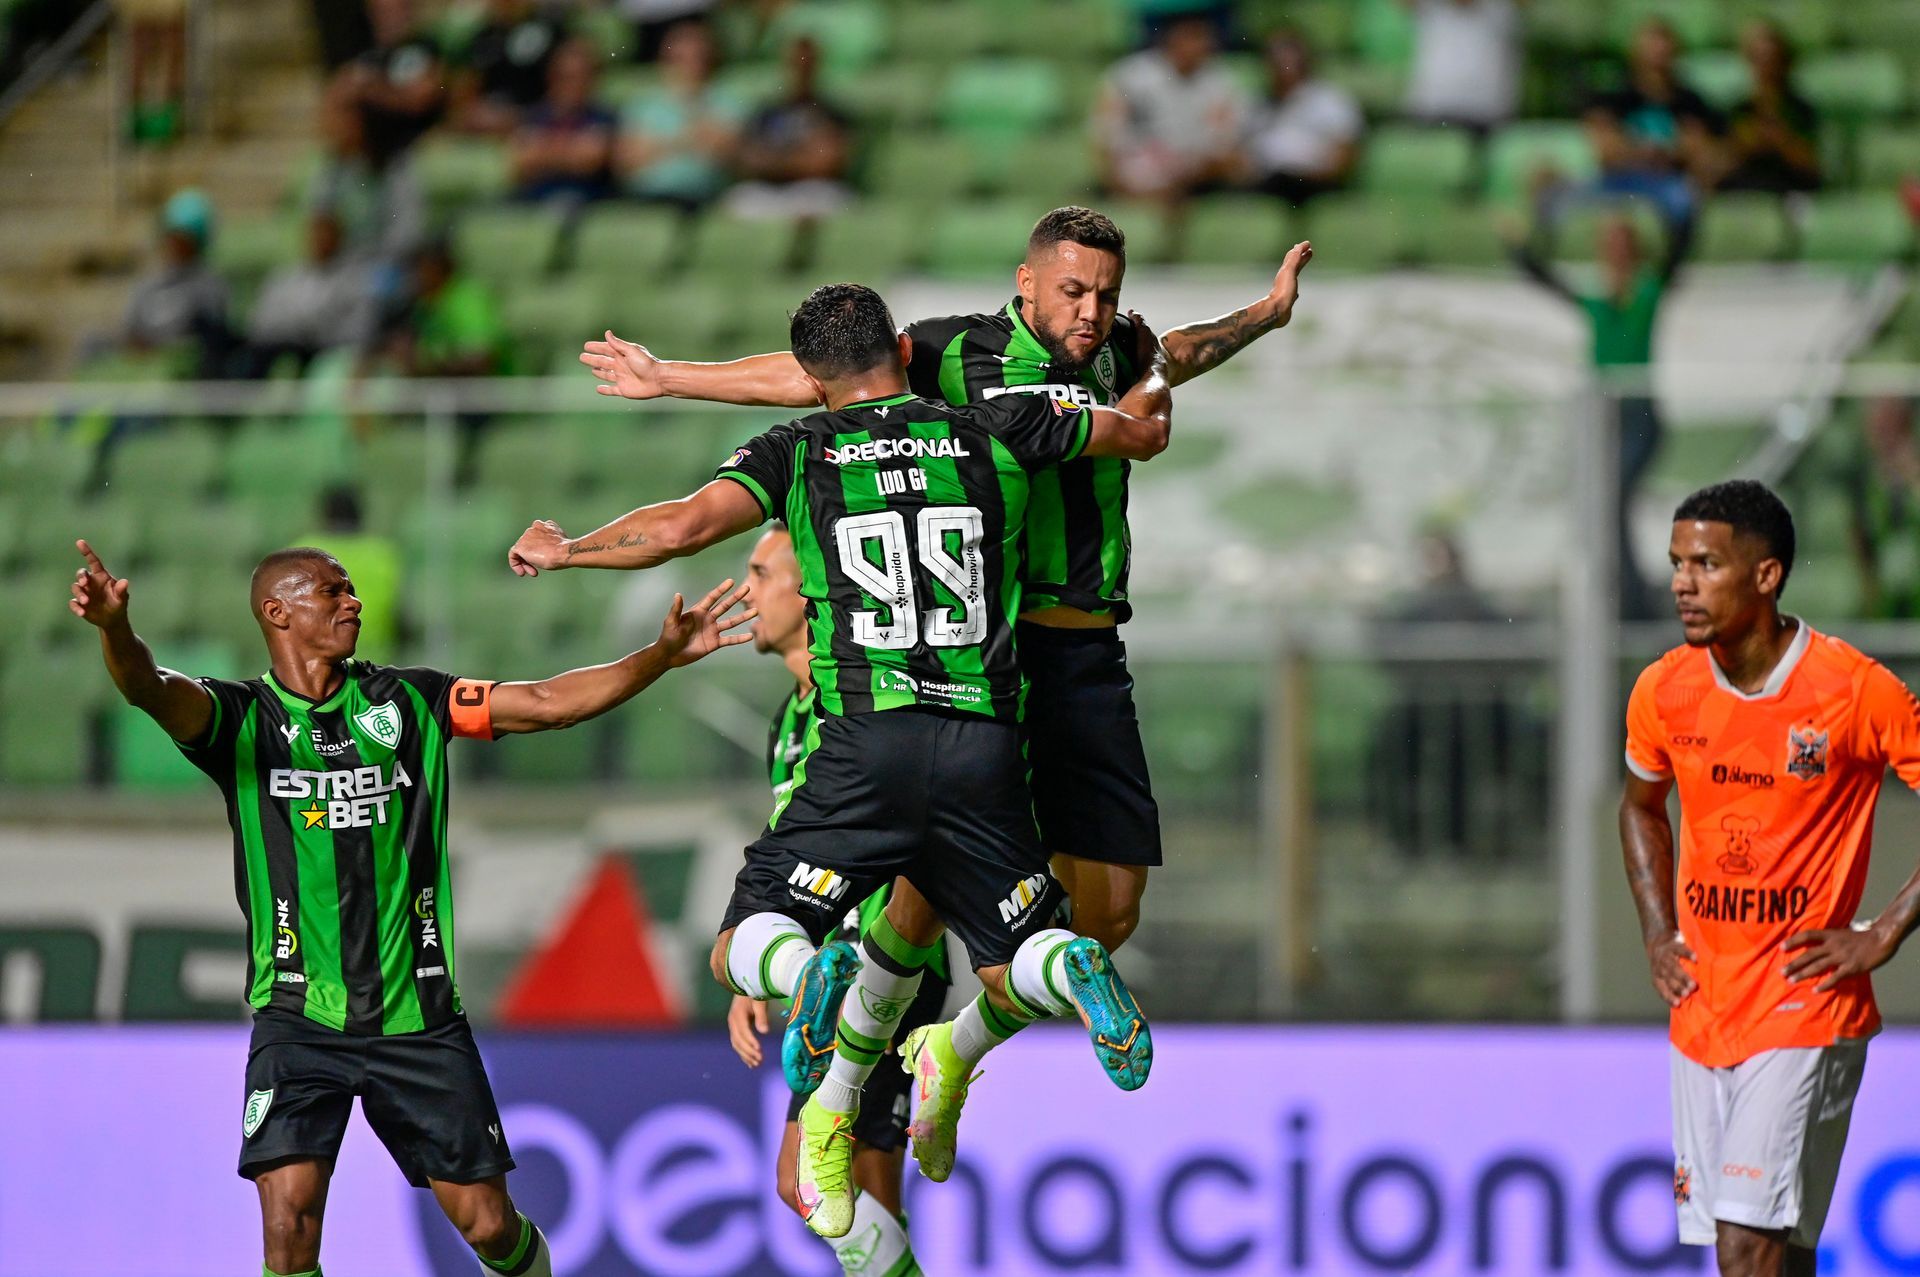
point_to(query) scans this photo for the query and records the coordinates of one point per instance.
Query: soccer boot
(823, 1173)
(1119, 1032)
(940, 1083)
(807, 1048)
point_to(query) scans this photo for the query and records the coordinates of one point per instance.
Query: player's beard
(1058, 356)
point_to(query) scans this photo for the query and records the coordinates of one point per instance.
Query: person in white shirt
(1466, 62)
(1306, 135)
(1168, 121)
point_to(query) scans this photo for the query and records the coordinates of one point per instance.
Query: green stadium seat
(1523, 149)
(561, 312)
(896, 94)
(921, 168)
(1093, 31)
(660, 743)
(1003, 97)
(1383, 32)
(1236, 229)
(1328, 23)
(852, 34)
(1720, 76)
(277, 467)
(1812, 25)
(1698, 23)
(1738, 227)
(1858, 84)
(1857, 229)
(528, 463)
(175, 458)
(937, 33)
(42, 460)
(1460, 235)
(456, 173)
(626, 241)
(574, 756)
(1575, 26)
(608, 31)
(145, 757)
(1884, 24)
(1409, 160)
(1379, 87)
(49, 702)
(744, 250)
(620, 84)
(750, 83)
(870, 243)
(1051, 169)
(218, 537)
(1362, 233)
(678, 320)
(978, 239)
(37, 597)
(1887, 154)
(510, 246)
(245, 250)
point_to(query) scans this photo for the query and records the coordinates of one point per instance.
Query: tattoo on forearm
(1205, 346)
(624, 541)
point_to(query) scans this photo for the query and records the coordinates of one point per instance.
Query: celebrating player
(335, 777)
(877, 1242)
(1061, 335)
(906, 516)
(1779, 739)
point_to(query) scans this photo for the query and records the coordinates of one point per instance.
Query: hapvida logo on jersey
(888, 449)
(1022, 897)
(355, 799)
(822, 883)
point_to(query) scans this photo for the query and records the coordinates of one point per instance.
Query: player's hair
(270, 568)
(1076, 224)
(841, 330)
(1751, 509)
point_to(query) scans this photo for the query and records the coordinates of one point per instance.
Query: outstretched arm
(175, 701)
(1200, 347)
(645, 538)
(1646, 841)
(631, 371)
(1140, 426)
(578, 695)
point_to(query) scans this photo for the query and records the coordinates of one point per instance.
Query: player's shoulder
(378, 681)
(1865, 674)
(1681, 664)
(983, 328)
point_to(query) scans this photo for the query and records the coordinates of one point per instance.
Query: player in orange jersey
(1779, 738)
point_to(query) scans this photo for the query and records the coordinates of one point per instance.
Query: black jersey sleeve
(1120, 341)
(460, 706)
(212, 751)
(927, 373)
(1039, 430)
(764, 466)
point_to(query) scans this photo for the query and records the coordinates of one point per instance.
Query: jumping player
(906, 517)
(1779, 738)
(335, 778)
(878, 1242)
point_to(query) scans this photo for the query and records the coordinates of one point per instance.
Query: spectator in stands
(182, 305)
(1466, 63)
(399, 89)
(1654, 138)
(563, 149)
(372, 561)
(1773, 136)
(1168, 121)
(794, 153)
(1622, 315)
(654, 20)
(382, 211)
(504, 72)
(156, 61)
(451, 324)
(677, 141)
(1306, 135)
(322, 303)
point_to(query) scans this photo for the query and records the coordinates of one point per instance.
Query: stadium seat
(936, 33)
(1379, 87)
(143, 756)
(732, 250)
(1382, 32)
(632, 242)
(1887, 154)
(1698, 23)
(456, 173)
(1003, 97)
(510, 246)
(1362, 233)
(43, 461)
(37, 597)
(1858, 84)
(1409, 160)
(1094, 31)
(1328, 23)
(680, 321)
(1738, 227)
(978, 239)
(1523, 149)
(921, 168)
(870, 242)
(245, 251)
(177, 460)
(608, 31)
(49, 702)
(277, 467)
(1718, 75)
(1050, 169)
(1459, 235)
(1812, 25)
(1858, 229)
(529, 464)
(1236, 229)
(897, 94)
(852, 34)
(564, 311)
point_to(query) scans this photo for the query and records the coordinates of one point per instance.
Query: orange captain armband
(470, 708)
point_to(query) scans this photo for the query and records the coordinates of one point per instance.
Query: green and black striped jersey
(906, 516)
(339, 815)
(1078, 548)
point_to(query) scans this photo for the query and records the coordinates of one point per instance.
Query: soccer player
(1778, 738)
(335, 778)
(906, 516)
(878, 1242)
(1061, 336)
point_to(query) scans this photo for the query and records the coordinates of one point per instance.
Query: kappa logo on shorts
(1806, 753)
(1682, 1185)
(257, 1105)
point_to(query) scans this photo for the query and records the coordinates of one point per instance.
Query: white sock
(534, 1261)
(877, 1242)
(1037, 977)
(874, 1005)
(982, 1026)
(766, 954)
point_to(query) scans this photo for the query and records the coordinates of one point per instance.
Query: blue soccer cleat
(807, 1048)
(1121, 1038)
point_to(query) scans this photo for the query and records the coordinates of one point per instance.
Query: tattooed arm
(1203, 346)
(1646, 841)
(645, 538)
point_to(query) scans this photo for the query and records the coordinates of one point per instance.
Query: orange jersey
(1777, 791)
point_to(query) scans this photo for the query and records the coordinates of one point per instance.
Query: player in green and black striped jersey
(1061, 335)
(334, 773)
(906, 517)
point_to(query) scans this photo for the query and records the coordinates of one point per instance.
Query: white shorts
(1759, 1144)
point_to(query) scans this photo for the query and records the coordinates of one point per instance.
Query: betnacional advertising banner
(1334, 1152)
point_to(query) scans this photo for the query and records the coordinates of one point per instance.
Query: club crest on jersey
(382, 722)
(257, 1105)
(1806, 753)
(1104, 371)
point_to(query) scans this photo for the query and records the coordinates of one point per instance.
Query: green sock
(268, 1272)
(529, 1257)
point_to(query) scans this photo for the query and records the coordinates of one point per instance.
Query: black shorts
(936, 798)
(424, 1094)
(1090, 787)
(882, 1120)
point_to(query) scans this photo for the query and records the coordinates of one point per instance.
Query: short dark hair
(1076, 224)
(1750, 508)
(273, 569)
(841, 330)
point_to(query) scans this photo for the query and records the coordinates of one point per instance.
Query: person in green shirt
(454, 328)
(1622, 314)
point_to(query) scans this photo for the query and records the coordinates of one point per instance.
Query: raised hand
(99, 598)
(542, 545)
(625, 368)
(1674, 982)
(1286, 282)
(691, 633)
